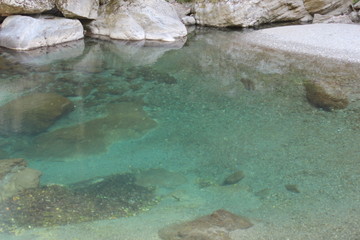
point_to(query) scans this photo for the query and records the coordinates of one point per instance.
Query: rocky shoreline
(57, 21)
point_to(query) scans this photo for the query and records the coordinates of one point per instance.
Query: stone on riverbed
(16, 33)
(15, 177)
(325, 95)
(32, 114)
(215, 226)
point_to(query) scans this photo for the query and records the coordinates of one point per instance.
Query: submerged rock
(16, 34)
(79, 8)
(32, 114)
(15, 177)
(215, 226)
(138, 20)
(11, 7)
(124, 121)
(325, 95)
(233, 178)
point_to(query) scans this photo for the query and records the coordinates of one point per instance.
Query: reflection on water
(183, 119)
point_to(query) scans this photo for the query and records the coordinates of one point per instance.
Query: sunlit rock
(78, 8)
(11, 7)
(138, 20)
(215, 226)
(17, 34)
(123, 121)
(15, 177)
(32, 114)
(248, 13)
(327, 96)
(327, 6)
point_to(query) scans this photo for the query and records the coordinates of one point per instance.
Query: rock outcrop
(11, 7)
(33, 113)
(16, 33)
(15, 177)
(248, 13)
(327, 6)
(87, 9)
(138, 20)
(215, 226)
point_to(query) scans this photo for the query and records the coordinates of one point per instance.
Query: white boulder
(11, 7)
(138, 20)
(87, 9)
(24, 32)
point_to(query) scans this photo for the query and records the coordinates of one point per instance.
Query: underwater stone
(33, 114)
(15, 177)
(215, 226)
(325, 95)
(234, 178)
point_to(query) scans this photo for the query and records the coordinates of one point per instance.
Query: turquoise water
(213, 105)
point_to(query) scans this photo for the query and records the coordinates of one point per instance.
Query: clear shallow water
(220, 106)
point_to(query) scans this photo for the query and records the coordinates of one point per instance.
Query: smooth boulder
(248, 13)
(24, 32)
(11, 7)
(87, 9)
(32, 114)
(138, 20)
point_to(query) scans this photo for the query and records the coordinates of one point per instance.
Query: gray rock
(247, 13)
(188, 20)
(138, 20)
(87, 9)
(17, 34)
(11, 7)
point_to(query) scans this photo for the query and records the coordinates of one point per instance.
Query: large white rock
(247, 13)
(24, 33)
(78, 8)
(138, 20)
(11, 7)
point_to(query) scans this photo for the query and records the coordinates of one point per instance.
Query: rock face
(78, 8)
(11, 7)
(248, 13)
(325, 96)
(138, 20)
(45, 31)
(318, 18)
(32, 114)
(326, 6)
(15, 177)
(215, 226)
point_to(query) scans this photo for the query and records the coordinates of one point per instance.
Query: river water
(196, 111)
